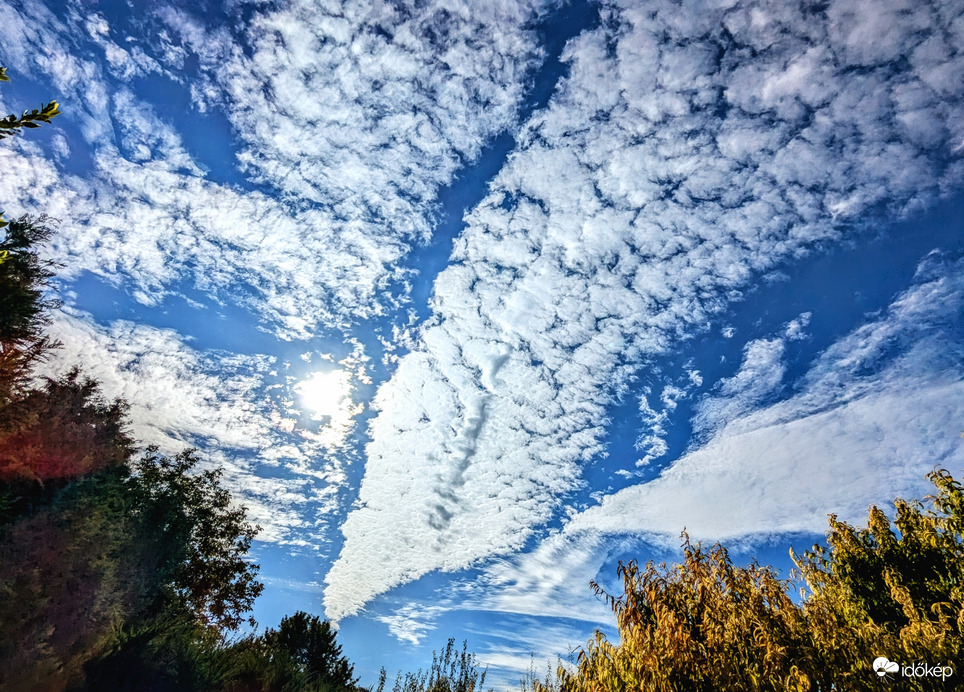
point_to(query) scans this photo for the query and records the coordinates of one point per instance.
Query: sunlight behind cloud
(325, 394)
(327, 398)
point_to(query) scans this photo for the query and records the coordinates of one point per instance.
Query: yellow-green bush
(893, 589)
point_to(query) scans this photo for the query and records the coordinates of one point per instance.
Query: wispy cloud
(181, 398)
(410, 623)
(690, 149)
(759, 376)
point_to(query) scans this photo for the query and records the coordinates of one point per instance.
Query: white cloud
(796, 328)
(759, 376)
(180, 398)
(878, 410)
(351, 118)
(412, 622)
(536, 649)
(787, 477)
(176, 396)
(652, 438)
(669, 169)
(552, 580)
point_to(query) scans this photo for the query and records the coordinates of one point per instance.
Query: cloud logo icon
(882, 666)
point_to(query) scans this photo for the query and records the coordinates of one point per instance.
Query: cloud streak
(876, 411)
(669, 169)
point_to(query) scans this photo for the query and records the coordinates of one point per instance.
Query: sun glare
(325, 393)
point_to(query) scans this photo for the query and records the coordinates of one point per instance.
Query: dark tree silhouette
(24, 279)
(311, 643)
(202, 539)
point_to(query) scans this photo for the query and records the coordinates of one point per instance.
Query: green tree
(171, 653)
(180, 654)
(144, 570)
(14, 124)
(23, 276)
(71, 576)
(127, 573)
(451, 671)
(190, 521)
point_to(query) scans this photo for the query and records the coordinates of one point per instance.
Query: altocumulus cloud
(691, 147)
(350, 117)
(875, 412)
(181, 397)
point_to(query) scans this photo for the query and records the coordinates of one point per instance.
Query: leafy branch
(12, 124)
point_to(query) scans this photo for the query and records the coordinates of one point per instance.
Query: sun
(325, 393)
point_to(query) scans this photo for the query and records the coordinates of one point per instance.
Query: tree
(703, 624)
(61, 431)
(189, 520)
(128, 573)
(24, 279)
(181, 654)
(14, 124)
(143, 571)
(23, 276)
(895, 589)
(310, 643)
(71, 576)
(451, 671)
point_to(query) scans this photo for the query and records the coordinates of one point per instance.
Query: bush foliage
(894, 589)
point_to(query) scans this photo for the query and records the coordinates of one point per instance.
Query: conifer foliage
(24, 278)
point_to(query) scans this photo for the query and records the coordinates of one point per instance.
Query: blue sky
(473, 300)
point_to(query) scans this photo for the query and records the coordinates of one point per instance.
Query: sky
(473, 300)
